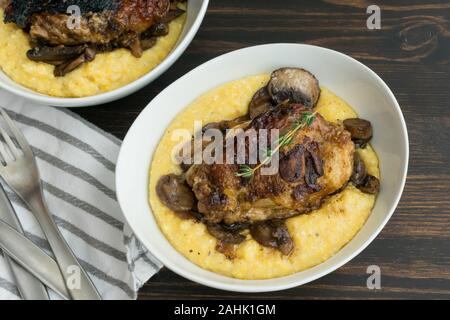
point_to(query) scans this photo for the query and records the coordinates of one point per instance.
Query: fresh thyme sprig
(306, 120)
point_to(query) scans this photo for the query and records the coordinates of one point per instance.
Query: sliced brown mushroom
(359, 174)
(311, 175)
(295, 85)
(62, 69)
(313, 166)
(273, 234)
(371, 185)
(90, 54)
(361, 179)
(360, 130)
(225, 124)
(55, 62)
(148, 43)
(135, 47)
(225, 235)
(159, 30)
(292, 165)
(221, 126)
(59, 53)
(260, 103)
(313, 149)
(150, 37)
(175, 194)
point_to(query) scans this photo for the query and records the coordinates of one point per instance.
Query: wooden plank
(412, 54)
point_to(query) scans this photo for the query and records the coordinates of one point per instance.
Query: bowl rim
(120, 92)
(248, 288)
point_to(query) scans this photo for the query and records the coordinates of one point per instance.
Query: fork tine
(18, 135)
(6, 157)
(13, 148)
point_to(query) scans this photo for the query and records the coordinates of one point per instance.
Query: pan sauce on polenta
(73, 65)
(325, 226)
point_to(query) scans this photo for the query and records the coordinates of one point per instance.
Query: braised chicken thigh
(317, 162)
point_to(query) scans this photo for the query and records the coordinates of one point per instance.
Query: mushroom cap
(175, 194)
(360, 129)
(296, 85)
(260, 103)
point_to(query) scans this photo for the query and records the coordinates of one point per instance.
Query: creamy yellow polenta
(317, 235)
(107, 72)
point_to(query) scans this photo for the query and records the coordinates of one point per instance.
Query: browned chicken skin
(318, 162)
(132, 17)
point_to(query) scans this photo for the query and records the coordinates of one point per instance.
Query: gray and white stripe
(77, 162)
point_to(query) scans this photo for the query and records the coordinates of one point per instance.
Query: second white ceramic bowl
(348, 78)
(196, 11)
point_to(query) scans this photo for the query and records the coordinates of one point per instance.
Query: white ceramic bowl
(351, 80)
(195, 13)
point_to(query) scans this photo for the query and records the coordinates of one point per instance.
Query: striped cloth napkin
(77, 162)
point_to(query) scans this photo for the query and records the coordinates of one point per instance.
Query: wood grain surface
(411, 53)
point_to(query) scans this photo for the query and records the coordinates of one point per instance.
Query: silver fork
(20, 172)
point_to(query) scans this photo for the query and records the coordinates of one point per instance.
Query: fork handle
(77, 281)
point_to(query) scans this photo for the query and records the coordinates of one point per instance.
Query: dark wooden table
(411, 53)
